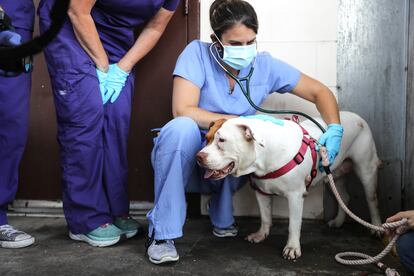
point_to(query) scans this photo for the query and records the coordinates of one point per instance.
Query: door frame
(408, 187)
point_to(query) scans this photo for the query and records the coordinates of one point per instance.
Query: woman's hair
(224, 14)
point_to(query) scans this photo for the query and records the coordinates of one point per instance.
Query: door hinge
(186, 7)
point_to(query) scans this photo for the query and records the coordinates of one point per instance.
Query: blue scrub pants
(92, 136)
(14, 121)
(405, 250)
(176, 172)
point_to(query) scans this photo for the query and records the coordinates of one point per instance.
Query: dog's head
(230, 149)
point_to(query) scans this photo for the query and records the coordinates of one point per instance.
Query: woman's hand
(314, 91)
(111, 83)
(331, 139)
(85, 30)
(409, 215)
(9, 38)
(102, 76)
(115, 82)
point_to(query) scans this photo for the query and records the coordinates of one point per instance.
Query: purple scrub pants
(14, 118)
(92, 136)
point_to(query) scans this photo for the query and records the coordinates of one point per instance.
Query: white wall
(302, 33)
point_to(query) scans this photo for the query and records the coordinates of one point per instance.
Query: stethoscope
(246, 90)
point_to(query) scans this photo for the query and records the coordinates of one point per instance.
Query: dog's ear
(214, 126)
(250, 136)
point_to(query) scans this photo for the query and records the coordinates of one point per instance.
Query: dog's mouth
(219, 174)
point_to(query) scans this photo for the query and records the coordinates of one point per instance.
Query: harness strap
(256, 188)
(297, 160)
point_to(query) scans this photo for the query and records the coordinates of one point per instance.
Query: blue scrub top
(21, 12)
(197, 65)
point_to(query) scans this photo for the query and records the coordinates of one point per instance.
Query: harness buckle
(299, 158)
(295, 118)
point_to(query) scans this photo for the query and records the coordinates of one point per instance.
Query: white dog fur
(244, 146)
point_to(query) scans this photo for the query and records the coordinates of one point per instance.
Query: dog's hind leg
(366, 162)
(292, 249)
(340, 216)
(368, 174)
(265, 207)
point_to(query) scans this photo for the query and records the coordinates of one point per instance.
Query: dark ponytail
(224, 14)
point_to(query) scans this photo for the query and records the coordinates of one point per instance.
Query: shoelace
(105, 225)
(126, 217)
(8, 230)
(157, 242)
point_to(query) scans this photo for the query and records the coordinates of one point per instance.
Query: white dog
(243, 146)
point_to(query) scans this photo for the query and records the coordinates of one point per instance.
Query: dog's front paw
(376, 234)
(291, 252)
(257, 237)
(335, 223)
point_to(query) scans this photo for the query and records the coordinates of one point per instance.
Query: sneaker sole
(226, 235)
(84, 238)
(130, 234)
(17, 244)
(164, 260)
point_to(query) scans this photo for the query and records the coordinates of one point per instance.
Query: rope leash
(400, 226)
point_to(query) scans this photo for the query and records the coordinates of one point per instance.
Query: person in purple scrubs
(14, 119)
(91, 65)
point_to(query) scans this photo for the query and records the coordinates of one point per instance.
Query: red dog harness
(307, 142)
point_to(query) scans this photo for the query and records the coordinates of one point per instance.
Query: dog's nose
(201, 157)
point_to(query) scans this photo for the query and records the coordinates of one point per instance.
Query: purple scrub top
(116, 20)
(22, 12)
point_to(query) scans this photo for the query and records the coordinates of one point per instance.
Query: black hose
(35, 46)
(247, 94)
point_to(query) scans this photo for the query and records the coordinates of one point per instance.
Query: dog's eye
(221, 140)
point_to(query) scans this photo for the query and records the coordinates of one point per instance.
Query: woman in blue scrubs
(203, 93)
(14, 118)
(91, 63)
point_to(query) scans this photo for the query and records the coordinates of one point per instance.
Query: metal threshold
(49, 208)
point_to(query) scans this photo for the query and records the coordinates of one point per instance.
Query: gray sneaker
(12, 238)
(230, 231)
(162, 251)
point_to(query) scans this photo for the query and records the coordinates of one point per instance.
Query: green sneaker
(129, 226)
(105, 235)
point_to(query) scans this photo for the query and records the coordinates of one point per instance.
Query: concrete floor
(201, 253)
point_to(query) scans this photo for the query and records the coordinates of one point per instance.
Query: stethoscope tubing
(246, 92)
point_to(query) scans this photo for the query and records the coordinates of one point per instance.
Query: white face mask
(238, 57)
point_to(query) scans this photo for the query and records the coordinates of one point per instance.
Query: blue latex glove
(265, 118)
(115, 81)
(331, 139)
(102, 76)
(9, 38)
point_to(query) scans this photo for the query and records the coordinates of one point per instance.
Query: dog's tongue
(208, 173)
